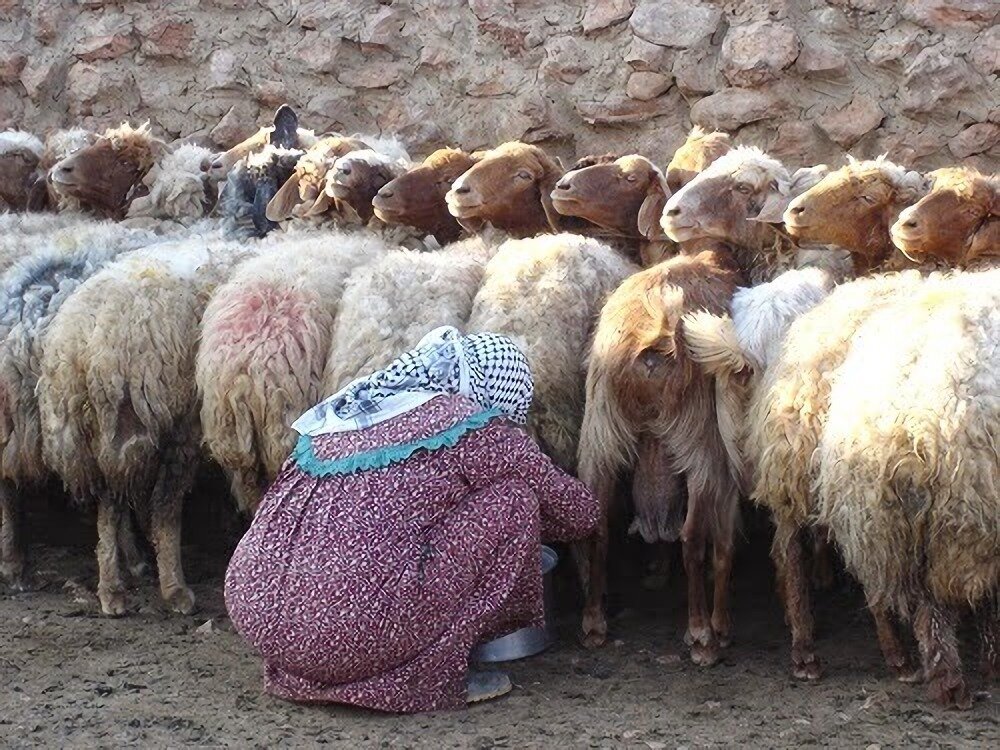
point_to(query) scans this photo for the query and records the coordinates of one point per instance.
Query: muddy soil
(72, 678)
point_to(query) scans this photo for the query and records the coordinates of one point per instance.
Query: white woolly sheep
(33, 290)
(265, 338)
(389, 305)
(118, 399)
(179, 187)
(545, 293)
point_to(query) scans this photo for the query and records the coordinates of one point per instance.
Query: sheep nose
(562, 185)
(796, 210)
(66, 170)
(910, 224)
(673, 212)
(383, 193)
(462, 190)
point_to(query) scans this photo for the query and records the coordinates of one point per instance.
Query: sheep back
(545, 293)
(265, 339)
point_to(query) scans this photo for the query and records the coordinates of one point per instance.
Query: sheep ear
(652, 208)
(321, 205)
(38, 195)
(678, 178)
(286, 127)
(280, 207)
(781, 195)
(986, 241)
(265, 191)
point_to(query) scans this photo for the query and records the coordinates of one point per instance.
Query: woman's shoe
(484, 686)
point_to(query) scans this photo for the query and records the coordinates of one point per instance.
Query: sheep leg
(821, 567)
(722, 562)
(12, 558)
(893, 650)
(700, 636)
(988, 619)
(788, 555)
(935, 631)
(592, 560)
(135, 560)
(110, 589)
(166, 505)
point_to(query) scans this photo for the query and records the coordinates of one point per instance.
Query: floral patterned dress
(379, 558)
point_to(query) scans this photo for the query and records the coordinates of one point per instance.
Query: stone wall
(806, 79)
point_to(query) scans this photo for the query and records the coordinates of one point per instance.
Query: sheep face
(854, 207)
(18, 174)
(959, 220)
(726, 201)
(303, 193)
(625, 196)
(106, 175)
(695, 154)
(417, 198)
(511, 189)
(356, 178)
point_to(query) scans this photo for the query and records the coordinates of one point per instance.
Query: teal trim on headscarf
(306, 460)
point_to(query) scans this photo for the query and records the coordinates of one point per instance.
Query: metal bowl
(527, 641)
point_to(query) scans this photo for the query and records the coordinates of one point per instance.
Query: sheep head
(284, 131)
(417, 198)
(107, 175)
(695, 154)
(303, 192)
(20, 154)
(956, 222)
(725, 201)
(854, 207)
(58, 145)
(357, 177)
(179, 187)
(625, 196)
(511, 189)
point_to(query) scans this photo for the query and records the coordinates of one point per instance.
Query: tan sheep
(118, 399)
(265, 338)
(20, 154)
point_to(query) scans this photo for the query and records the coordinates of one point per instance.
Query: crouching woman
(405, 529)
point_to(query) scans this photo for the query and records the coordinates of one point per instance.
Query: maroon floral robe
(371, 587)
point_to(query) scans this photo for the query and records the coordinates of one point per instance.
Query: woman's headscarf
(485, 367)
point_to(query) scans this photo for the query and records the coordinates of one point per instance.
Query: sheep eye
(870, 200)
(743, 187)
(524, 175)
(631, 178)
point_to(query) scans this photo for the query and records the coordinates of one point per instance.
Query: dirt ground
(72, 678)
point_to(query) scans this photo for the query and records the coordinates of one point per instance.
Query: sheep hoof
(594, 630)
(909, 674)
(112, 604)
(950, 691)
(805, 664)
(181, 601)
(705, 655)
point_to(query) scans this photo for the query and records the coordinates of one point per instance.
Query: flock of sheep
(822, 342)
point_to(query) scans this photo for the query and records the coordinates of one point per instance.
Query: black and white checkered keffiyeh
(488, 368)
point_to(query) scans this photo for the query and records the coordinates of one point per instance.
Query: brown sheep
(20, 154)
(304, 189)
(957, 223)
(108, 174)
(853, 208)
(58, 145)
(356, 178)
(510, 188)
(417, 198)
(624, 197)
(695, 154)
(646, 398)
